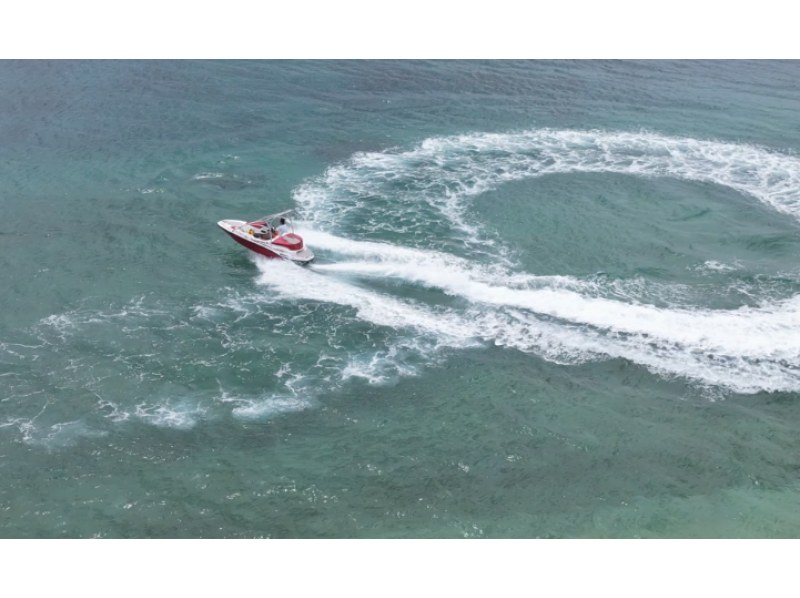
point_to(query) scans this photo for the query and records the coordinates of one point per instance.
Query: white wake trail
(747, 349)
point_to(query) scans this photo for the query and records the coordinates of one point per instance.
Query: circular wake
(405, 277)
(406, 194)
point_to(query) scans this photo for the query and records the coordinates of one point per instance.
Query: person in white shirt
(283, 228)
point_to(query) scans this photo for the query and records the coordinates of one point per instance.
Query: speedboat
(271, 236)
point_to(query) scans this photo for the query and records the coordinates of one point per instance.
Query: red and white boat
(271, 236)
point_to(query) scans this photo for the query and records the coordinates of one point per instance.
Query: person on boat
(283, 228)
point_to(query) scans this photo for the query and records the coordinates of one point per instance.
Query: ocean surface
(551, 299)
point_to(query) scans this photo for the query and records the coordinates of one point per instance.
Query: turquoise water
(551, 299)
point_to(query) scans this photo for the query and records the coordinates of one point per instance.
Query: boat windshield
(274, 225)
(280, 222)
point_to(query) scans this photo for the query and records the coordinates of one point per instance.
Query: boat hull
(252, 246)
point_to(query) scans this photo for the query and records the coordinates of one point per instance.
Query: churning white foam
(748, 349)
(269, 407)
(182, 416)
(55, 436)
(368, 305)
